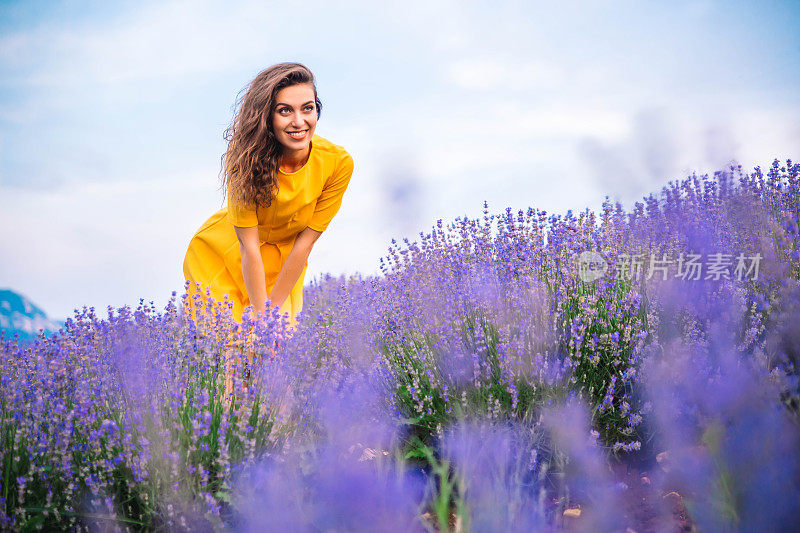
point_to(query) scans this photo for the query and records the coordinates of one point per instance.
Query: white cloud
(99, 242)
(486, 73)
(159, 40)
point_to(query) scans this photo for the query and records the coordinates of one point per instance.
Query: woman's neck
(294, 161)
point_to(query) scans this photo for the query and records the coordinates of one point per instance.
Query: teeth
(299, 134)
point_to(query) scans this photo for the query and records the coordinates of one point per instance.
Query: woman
(284, 186)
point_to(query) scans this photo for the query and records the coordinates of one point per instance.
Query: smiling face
(295, 111)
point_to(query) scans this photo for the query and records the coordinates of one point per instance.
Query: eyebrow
(287, 105)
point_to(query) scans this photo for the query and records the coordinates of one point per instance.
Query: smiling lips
(297, 134)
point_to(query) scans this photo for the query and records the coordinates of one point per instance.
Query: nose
(297, 120)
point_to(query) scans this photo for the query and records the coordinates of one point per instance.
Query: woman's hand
(270, 306)
(253, 270)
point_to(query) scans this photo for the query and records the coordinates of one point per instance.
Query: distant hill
(18, 314)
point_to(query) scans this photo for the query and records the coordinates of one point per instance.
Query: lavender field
(495, 377)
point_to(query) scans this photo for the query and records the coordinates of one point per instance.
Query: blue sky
(112, 114)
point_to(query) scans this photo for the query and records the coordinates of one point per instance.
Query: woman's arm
(293, 266)
(252, 267)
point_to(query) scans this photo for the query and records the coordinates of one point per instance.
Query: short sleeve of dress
(241, 216)
(330, 200)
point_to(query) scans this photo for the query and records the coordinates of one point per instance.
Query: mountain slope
(18, 314)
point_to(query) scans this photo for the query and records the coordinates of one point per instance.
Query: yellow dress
(309, 197)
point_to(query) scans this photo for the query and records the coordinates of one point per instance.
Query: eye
(310, 107)
(281, 110)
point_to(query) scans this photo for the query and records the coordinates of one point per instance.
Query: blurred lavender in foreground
(478, 383)
(340, 474)
(728, 446)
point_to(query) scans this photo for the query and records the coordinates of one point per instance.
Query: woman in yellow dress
(284, 186)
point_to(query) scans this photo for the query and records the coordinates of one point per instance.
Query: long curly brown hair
(250, 164)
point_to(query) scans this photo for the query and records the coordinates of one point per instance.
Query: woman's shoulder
(328, 149)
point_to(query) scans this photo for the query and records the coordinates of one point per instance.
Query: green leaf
(416, 453)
